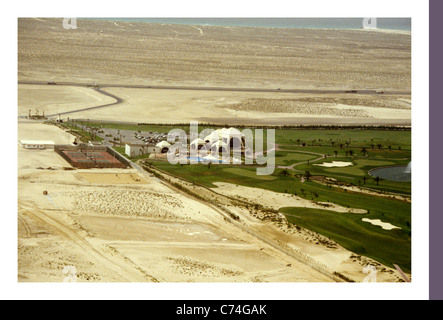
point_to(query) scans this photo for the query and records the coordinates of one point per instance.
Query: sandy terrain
(49, 99)
(141, 53)
(334, 164)
(378, 222)
(160, 54)
(178, 106)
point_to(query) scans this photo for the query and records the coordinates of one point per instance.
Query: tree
(336, 152)
(377, 179)
(364, 180)
(364, 151)
(308, 175)
(285, 173)
(379, 146)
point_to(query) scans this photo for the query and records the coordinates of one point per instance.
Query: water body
(400, 24)
(400, 173)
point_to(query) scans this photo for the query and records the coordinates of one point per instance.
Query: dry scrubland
(138, 53)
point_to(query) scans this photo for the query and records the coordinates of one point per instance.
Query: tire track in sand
(121, 268)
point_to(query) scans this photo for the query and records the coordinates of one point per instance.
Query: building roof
(224, 133)
(40, 142)
(198, 142)
(163, 144)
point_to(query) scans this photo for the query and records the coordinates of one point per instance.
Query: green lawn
(287, 158)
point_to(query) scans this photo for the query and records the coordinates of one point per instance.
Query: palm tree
(308, 175)
(379, 146)
(336, 152)
(351, 152)
(377, 179)
(363, 151)
(364, 180)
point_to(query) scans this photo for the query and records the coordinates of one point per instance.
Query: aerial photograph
(214, 150)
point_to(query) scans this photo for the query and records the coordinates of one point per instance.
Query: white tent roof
(198, 142)
(163, 144)
(214, 136)
(224, 133)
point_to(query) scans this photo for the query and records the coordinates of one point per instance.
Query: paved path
(291, 167)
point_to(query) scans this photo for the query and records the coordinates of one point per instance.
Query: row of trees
(307, 176)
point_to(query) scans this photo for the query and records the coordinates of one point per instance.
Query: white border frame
(418, 289)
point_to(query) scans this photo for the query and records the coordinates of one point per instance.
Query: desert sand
(103, 52)
(143, 53)
(39, 99)
(178, 106)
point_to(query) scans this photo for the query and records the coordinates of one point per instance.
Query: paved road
(99, 87)
(118, 100)
(158, 87)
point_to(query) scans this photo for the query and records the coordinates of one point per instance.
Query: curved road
(291, 167)
(118, 100)
(99, 87)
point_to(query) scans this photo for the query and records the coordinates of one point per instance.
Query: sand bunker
(384, 225)
(334, 164)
